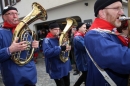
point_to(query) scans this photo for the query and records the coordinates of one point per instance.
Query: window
(1, 7)
(11, 2)
(88, 21)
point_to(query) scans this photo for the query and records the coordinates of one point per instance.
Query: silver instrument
(124, 18)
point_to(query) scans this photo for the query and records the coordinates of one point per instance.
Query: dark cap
(88, 26)
(79, 25)
(101, 4)
(6, 9)
(53, 25)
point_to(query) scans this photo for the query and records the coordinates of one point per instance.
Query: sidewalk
(43, 77)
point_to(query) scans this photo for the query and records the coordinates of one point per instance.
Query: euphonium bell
(22, 31)
(63, 40)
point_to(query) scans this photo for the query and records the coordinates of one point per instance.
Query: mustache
(16, 19)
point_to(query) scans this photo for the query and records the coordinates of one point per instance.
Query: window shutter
(6, 2)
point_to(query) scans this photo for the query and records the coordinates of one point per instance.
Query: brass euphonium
(64, 38)
(22, 31)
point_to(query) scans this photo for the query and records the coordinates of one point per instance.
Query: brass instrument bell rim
(69, 23)
(42, 9)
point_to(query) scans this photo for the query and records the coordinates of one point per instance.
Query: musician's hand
(15, 46)
(68, 47)
(35, 44)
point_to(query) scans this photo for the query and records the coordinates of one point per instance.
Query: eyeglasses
(12, 14)
(116, 8)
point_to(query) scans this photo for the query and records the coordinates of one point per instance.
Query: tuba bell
(22, 31)
(64, 38)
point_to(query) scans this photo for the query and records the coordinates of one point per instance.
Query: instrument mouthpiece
(124, 18)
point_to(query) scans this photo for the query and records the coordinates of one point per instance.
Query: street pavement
(43, 77)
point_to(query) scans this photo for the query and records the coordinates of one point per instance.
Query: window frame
(1, 7)
(10, 2)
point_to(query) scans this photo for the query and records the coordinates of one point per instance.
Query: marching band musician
(72, 56)
(106, 49)
(58, 70)
(80, 52)
(13, 74)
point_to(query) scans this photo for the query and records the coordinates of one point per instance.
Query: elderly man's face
(11, 17)
(113, 12)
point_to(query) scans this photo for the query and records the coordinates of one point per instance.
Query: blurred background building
(59, 10)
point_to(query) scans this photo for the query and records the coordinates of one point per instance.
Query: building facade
(59, 10)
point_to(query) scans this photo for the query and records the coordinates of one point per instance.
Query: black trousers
(64, 81)
(81, 79)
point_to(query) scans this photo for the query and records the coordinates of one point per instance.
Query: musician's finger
(16, 39)
(23, 42)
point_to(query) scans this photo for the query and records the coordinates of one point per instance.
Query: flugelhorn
(124, 18)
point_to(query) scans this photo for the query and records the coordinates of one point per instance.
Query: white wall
(73, 9)
(57, 9)
(25, 6)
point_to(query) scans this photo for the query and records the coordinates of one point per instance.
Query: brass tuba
(64, 36)
(22, 31)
